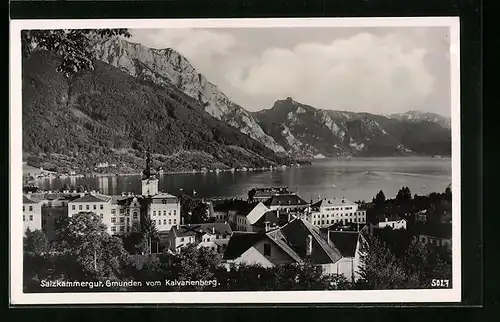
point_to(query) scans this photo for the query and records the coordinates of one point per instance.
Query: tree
(404, 195)
(36, 242)
(149, 232)
(73, 46)
(194, 263)
(193, 211)
(380, 269)
(447, 193)
(86, 242)
(379, 199)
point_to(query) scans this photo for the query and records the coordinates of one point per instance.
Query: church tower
(149, 180)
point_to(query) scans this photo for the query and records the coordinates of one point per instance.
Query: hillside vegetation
(105, 115)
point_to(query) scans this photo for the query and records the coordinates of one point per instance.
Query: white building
(118, 213)
(32, 214)
(211, 235)
(327, 212)
(394, 223)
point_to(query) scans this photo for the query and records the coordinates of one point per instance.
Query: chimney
(268, 226)
(309, 245)
(213, 230)
(386, 219)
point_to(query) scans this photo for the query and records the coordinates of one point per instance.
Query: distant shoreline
(53, 175)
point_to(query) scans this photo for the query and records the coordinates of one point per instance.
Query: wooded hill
(105, 115)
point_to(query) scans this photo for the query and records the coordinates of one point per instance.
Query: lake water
(355, 179)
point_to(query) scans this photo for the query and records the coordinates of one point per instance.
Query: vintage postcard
(235, 161)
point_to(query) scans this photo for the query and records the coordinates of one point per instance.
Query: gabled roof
(257, 212)
(240, 242)
(345, 241)
(285, 200)
(93, 198)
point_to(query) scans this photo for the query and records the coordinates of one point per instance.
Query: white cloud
(197, 45)
(361, 73)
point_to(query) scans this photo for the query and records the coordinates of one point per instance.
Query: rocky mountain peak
(167, 67)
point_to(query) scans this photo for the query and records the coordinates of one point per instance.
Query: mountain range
(138, 95)
(305, 131)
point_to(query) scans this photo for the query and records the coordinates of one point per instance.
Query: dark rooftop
(240, 242)
(28, 200)
(344, 241)
(92, 198)
(218, 228)
(285, 200)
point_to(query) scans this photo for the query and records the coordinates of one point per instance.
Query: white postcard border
(366, 296)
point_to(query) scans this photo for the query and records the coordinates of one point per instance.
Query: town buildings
(119, 213)
(296, 242)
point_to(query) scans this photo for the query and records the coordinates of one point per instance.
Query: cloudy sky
(378, 70)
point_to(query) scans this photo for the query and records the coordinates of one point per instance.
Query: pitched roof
(205, 228)
(285, 200)
(392, 217)
(93, 198)
(28, 200)
(345, 241)
(240, 242)
(240, 206)
(296, 232)
(257, 212)
(270, 216)
(163, 195)
(183, 232)
(280, 240)
(333, 202)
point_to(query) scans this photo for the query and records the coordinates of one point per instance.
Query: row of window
(87, 207)
(165, 221)
(31, 218)
(120, 229)
(134, 215)
(338, 208)
(341, 215)
(333, 221)
(122, 220)
(164, 212)
(216, 237)
(30, 208)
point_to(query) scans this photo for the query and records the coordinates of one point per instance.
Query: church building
(121, 212)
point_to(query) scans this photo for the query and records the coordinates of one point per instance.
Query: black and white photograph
(223, 161)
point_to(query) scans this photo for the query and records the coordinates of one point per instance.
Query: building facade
(32, 214)
(327, 212)
(119, 213)
(394, 223)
